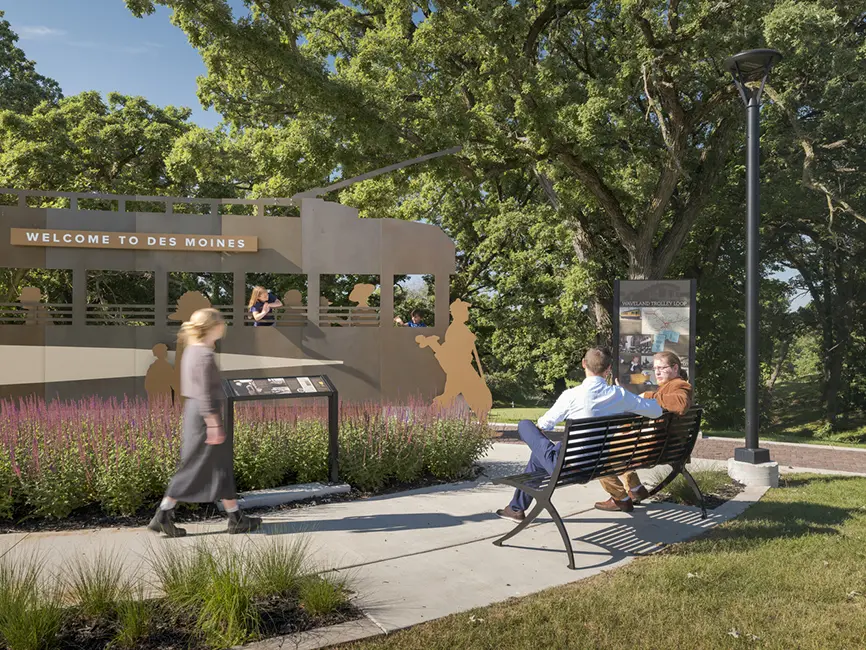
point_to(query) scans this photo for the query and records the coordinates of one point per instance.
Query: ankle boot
(163, 522)
(240, 523)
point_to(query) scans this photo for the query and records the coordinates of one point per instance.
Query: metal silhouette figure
(160, 380)
(363, 315)
(455, 357)
(31, 299)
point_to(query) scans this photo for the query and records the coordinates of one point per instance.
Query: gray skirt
(205, 473)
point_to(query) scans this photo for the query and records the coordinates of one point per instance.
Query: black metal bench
(594, 448)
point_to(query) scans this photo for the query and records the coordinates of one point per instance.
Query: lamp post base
(753, 456)
(759, 475)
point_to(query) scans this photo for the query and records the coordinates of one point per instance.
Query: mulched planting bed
(279, 616)
(713, 500)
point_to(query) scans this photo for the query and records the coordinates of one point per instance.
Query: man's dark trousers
(543, 457)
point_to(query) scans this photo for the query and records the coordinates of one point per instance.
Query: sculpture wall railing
(207, 206)
(42, 313)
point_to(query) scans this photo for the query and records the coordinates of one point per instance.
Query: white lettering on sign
(132, 241)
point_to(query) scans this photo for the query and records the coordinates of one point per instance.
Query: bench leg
(694, 485)
(536, 510)
(667, 481)
(565, 538)
(542, 504)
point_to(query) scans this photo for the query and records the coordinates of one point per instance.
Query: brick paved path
(842, 459)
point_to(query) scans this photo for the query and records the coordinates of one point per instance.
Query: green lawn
(512, 416)
(783, 436)
(789, 573)
(797, 418)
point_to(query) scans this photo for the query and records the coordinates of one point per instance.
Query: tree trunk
(777, 369)
(559, 386)
(13, 289)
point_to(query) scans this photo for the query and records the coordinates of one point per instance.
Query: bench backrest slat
(609, 446)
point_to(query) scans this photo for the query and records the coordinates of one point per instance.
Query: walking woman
(205, 473)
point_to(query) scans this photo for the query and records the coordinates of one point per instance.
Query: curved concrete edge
(321, 637)
(286, 494)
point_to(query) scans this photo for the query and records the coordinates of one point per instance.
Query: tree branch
(809, 181)
(548, 14)
(712, 163)
(590, 178)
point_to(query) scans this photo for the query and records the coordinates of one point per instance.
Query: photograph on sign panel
(629, 320)
(635, 344)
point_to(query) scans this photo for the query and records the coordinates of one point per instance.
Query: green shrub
(362, 461)
(59, 486)
(308, 451)
(261, 457)
(120, 484)
(8, 482)
(453, 446)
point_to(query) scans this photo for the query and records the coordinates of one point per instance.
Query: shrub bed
(56, 458)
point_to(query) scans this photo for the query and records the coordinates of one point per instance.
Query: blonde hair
(199, 324)
(254, 297)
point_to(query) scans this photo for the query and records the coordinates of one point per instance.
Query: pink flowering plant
(58, 457)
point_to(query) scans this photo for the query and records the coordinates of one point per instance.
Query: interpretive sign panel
(651, 316)
(257, 389)
(280, 386)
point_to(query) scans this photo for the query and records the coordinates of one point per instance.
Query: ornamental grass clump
(96, 584)
(31, 612)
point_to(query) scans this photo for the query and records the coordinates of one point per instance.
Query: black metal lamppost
(747, 67)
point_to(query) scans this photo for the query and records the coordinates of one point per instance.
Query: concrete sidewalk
(423, 554)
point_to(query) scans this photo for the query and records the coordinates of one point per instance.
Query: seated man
(593, 398)
(674, 395)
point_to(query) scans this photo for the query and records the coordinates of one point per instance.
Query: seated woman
(673, 395)
(262, 302)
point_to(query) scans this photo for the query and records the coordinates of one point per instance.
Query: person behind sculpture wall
(205, 473)
(261, 306)
(674, 395)
(416, 319)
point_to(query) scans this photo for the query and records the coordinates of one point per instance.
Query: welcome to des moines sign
(133, 241)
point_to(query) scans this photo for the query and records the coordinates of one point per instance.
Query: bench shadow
(375, 523)
(647, 530)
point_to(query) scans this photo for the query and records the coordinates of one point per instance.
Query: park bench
(593, 448)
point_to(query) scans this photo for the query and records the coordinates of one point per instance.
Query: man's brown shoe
(612, 505)
(639, 494)
(511, 514)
